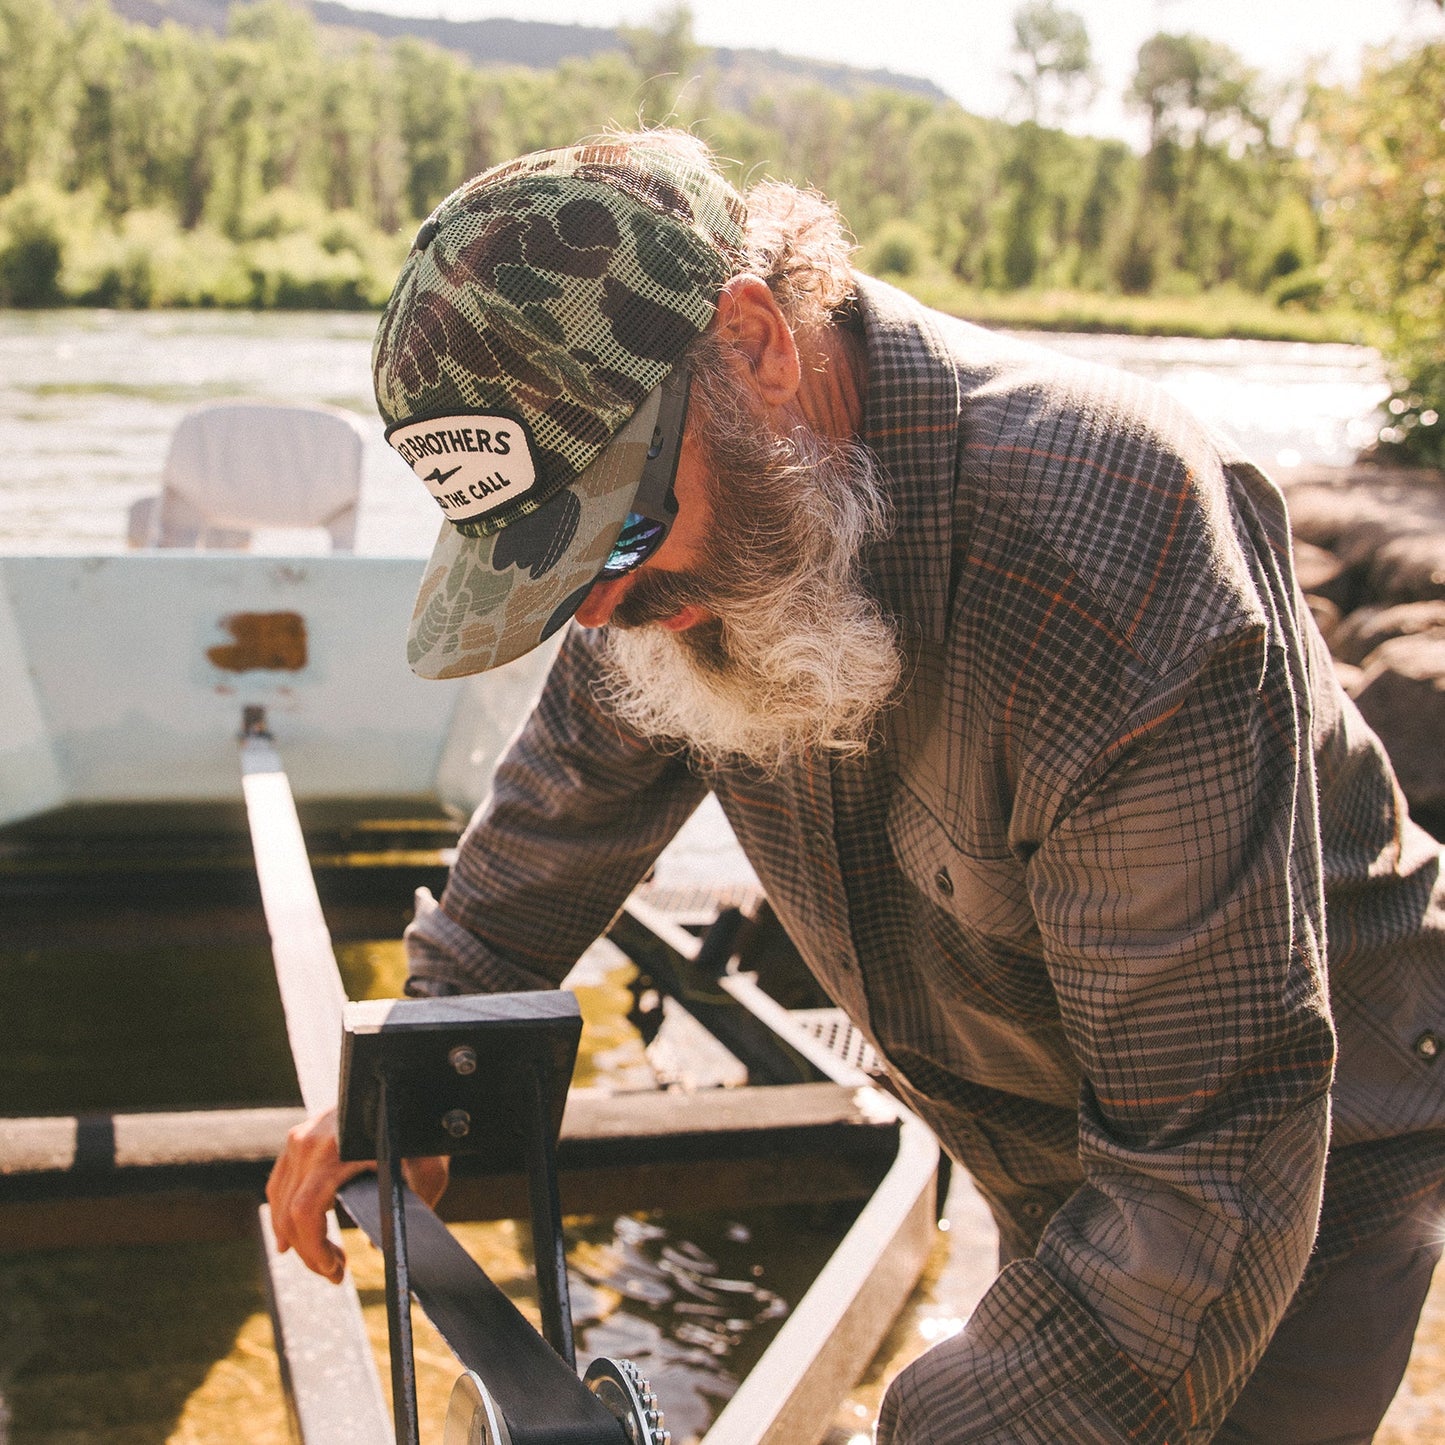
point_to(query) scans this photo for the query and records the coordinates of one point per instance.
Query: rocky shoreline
(1369, 545)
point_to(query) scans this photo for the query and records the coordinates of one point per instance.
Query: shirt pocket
(985, 896)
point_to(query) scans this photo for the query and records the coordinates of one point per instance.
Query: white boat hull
(123, 679)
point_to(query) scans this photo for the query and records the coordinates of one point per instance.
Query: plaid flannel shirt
(1075, 895)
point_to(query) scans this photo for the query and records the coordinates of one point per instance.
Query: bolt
(463, 1059)
(457, 1123)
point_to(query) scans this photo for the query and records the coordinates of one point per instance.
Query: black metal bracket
(477, 1074)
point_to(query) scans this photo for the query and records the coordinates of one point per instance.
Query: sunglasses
(654, 508)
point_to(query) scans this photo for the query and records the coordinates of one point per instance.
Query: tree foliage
(281, 163)
(1382, 166)
(1055, 59)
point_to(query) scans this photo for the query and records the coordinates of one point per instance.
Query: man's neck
(834, 371)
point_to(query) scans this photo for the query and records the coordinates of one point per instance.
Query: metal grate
(830, 1026)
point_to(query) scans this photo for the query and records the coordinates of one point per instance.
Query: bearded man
(997, 666)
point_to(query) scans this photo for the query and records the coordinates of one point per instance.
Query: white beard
(800, 656)
(811, 698)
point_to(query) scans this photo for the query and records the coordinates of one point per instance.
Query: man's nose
(598, 605)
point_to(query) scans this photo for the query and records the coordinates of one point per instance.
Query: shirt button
(1427, 1046)
(1031, 1209)
(818, 842)
(943, 882)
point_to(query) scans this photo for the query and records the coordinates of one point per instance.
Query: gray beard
(800, 658)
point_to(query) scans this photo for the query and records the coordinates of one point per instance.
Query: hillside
(542, 45)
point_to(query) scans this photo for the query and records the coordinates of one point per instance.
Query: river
(88, 401)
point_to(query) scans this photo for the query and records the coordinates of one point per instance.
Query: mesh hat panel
(559, 288)
(550, 296)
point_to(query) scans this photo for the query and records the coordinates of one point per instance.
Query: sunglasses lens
(639, 539)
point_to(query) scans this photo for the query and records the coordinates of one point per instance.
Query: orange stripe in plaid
(1165, 552)
(1073, 462)
(916, 430)
(974, 560)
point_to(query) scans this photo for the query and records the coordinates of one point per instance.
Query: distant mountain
(537, 43)
(542, 45)
(195, 14)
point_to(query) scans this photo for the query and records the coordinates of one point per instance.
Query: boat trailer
(484, 1079)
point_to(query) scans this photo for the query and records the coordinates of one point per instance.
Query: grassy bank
(59, 250)
(1208, 315)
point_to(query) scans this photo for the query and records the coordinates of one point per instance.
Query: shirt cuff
(445, 958)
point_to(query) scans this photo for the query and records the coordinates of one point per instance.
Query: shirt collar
(911, 423)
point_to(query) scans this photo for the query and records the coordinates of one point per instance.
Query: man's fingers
(303, 1184)
(278, 1196)
(302, 1188)
(312, 1198)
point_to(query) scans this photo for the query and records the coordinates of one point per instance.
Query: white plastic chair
(236, 467)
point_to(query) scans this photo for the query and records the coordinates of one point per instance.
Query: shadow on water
(131, 982)
(116, 1346)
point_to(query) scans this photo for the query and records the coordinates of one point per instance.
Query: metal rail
(328, 1371)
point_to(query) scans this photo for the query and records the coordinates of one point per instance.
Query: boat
(160, 689)
(123, 676)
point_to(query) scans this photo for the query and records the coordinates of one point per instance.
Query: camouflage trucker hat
(520, 366)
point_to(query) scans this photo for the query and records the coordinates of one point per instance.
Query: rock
(1314, 567)
(1359, 634)
(1327, 505)
(1324, 516)
(1370, 543)
(1322, 574)
(1403, 698)
(1408, 567)
(1352, 678)
(1326, 615)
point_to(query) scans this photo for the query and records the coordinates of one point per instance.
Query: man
(998, 669)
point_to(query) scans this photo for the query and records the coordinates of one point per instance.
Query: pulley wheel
(472, 1415)
(620, 1386)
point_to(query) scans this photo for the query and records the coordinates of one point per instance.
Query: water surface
(89, 399)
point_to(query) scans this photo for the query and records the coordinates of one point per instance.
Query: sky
(963, 45)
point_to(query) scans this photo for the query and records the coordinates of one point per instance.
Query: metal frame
(481, 1075)
(328, 1370)
(834, 1329)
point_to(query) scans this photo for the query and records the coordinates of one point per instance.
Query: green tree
(1102, 215)
(1210, 175)
(432, 103)
(666, 58)
(37, 92)
(1055, 68)
(1383, 166)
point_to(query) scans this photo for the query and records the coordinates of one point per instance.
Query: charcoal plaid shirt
(1075, 895)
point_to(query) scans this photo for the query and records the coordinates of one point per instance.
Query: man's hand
(303, 1186)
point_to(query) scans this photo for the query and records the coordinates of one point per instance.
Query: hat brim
(486, 600)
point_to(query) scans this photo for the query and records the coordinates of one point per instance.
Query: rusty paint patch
(269, 641)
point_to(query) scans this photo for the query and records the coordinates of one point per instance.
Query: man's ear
(750, 321)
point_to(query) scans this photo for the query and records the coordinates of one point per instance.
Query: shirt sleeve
(1181, 913)
(579, 809)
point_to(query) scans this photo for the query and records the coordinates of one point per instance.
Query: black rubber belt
(542, 1401)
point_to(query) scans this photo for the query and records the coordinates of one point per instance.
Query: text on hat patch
(471, 464)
